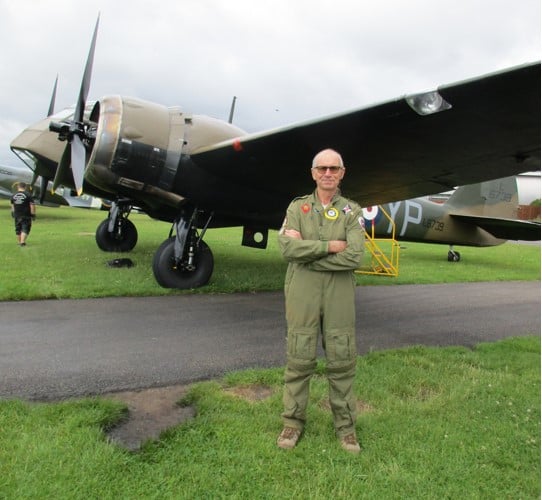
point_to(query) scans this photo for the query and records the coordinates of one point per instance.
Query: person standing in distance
(322, 238)
(23, 210)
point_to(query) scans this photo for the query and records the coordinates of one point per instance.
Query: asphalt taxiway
(57, 349)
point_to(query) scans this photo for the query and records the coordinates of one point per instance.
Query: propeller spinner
(76, 131)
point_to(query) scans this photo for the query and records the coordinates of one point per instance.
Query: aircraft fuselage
(425, 221)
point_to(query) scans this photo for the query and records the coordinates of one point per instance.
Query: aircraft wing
(486, 128)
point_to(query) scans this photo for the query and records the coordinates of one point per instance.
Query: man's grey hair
(317, 157)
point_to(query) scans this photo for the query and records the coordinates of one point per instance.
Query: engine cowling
(138, 147)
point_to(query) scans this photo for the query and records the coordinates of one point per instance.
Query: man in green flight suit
(322, 238)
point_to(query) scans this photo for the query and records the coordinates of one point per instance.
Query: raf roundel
(370, 213)
(331, 213)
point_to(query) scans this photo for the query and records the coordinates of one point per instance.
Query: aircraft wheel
(169, 275)
(454, 256)
(118, 241)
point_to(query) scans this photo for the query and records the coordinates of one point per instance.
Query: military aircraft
(480, 215)
(10, 176)
(199, 172)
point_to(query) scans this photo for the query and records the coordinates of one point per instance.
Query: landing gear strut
(184, 260)
(453, 256)
(117, 233)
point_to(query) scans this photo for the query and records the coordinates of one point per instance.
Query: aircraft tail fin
(497, 198)
(493, 206)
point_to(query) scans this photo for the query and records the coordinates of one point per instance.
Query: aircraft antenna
(232, 109)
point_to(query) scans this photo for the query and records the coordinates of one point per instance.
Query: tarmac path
(58, 349)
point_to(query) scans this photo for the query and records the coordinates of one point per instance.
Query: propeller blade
(74, 131)
(85, 84)
(78, 160)
(53, 99)
(63, 169)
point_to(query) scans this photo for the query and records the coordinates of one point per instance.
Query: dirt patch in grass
(150, 412)
(250, 392)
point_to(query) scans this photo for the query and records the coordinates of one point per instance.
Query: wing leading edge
(491, 130)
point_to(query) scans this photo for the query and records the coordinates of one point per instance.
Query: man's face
(327, 179)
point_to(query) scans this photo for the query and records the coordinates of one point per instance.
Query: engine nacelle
(138, 146)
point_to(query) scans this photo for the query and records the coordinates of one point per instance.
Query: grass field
(62, 260)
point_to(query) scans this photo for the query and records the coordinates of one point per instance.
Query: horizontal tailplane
(506, 229)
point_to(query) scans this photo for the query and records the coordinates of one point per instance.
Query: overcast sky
(285, 60)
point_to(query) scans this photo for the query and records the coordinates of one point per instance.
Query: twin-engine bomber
(198, 172)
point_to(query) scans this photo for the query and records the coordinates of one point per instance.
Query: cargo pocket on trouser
(302, 345)
(340, 346)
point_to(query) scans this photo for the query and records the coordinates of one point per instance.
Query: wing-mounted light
(428, 103)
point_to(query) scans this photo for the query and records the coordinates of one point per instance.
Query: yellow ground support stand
(383, 252)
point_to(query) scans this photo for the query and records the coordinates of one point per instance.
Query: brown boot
(350, 443)
(288, 438)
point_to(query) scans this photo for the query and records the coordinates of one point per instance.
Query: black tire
(168, 276)
(454, 256)
(124, 242)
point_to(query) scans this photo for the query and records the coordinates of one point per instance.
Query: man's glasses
(323, 170)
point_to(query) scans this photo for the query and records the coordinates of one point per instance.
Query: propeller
(75, 131)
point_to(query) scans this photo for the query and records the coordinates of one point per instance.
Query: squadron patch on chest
(305, 208)
(331, 214)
